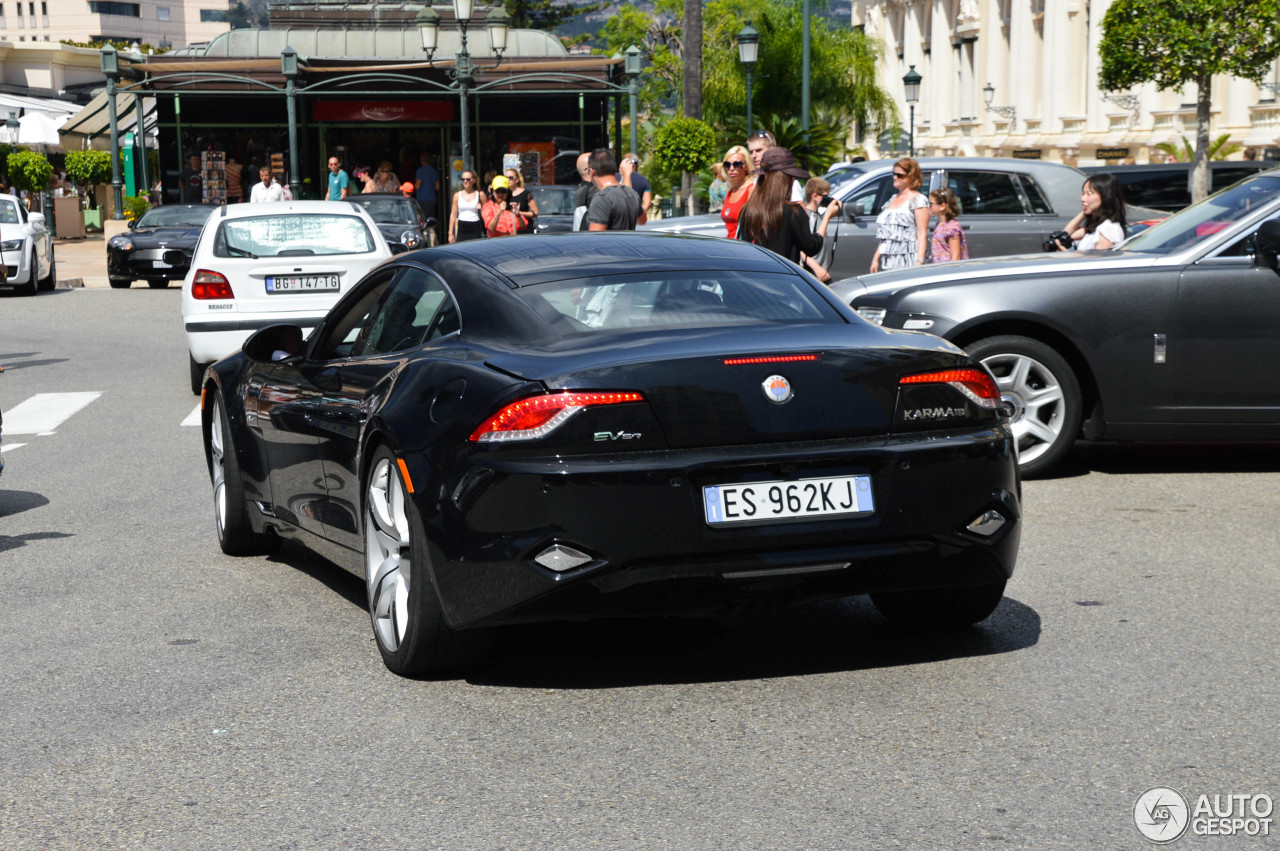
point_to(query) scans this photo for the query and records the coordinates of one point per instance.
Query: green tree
(89, 168)
(1174, 43)
(684, 145)
(1185, 153)
(29, 170)
(545, 14)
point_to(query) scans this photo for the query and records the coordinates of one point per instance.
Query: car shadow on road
(1129, 458)
(813, 638)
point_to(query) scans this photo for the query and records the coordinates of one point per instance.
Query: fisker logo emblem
(777, 389)
(602, 436)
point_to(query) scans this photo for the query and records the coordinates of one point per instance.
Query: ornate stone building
(1038, 62)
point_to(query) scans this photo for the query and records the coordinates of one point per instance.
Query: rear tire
(231, 516)
(120, 283)
(1044, 393)
(404, 608)
(939, 608)
(197, 374)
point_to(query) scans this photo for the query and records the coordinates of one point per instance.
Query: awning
(95, 120)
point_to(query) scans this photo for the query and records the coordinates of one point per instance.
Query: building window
(213, 16)
(110, 7)
(162, 13)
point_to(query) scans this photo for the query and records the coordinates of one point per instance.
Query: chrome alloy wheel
(217, 452)
(1035, 399)
(388, 555)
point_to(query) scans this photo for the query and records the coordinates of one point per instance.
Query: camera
(1059, 238)
(825, 201)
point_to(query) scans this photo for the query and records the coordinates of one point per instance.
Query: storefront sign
(1112, 153)
(383, 110)
(1027, 154)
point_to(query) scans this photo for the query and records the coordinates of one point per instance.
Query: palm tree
(1219, 150)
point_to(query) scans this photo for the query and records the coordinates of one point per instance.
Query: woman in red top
(737, 171)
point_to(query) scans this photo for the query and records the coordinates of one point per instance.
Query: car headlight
(11, 245)
(121, 243)
(411, 239)
(874, 315)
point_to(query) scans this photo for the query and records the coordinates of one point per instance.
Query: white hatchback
(259, 264)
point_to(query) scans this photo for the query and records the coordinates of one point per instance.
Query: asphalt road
(158, 694)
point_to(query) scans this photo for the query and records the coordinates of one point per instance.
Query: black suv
(1163, 186)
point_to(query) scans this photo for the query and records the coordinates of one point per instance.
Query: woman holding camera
(771, 219)
(1101, 221)
(903, 225)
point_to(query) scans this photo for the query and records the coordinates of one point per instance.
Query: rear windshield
(1201, 222)
(293, 236)
(683, 300)
(175, 217)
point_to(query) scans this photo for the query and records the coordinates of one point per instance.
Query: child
(948, 236)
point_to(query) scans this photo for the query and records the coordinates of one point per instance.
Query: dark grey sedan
(1008, 206)
(1169, 336)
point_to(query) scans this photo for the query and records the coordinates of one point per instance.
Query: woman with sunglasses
(737, 171)
(464, 218)
(903, 225)
(385, 180)
(528, 210)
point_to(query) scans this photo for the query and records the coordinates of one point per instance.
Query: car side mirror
(131, 224)
(36, 218)
(1266, 250)
(274, 344)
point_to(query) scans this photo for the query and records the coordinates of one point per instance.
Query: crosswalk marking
(44, 412)
(9, 447)
(193, 418)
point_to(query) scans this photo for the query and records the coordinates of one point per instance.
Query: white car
(259, 264)
(26, 247)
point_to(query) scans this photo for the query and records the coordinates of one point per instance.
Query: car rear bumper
(641, 519)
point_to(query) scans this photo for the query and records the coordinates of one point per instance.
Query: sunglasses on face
(899, 175)
(468, 180)
(734, 164)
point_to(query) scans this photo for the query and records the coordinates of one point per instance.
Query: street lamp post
(911, 83)
(748, 52)
(464, 72)
(632, 70)
(289, 67)
(110, 66)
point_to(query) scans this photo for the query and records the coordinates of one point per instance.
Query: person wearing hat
(499, 213)
(772, 220)
(406, 189)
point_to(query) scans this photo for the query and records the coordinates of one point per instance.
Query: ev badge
(777, 389)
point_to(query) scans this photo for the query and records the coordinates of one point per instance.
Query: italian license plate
(302, 283)
(766, 502)
(160, 264)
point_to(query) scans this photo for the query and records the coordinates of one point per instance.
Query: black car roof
(528, 260)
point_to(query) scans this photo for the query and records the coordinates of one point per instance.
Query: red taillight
(210, 285)
(977, 384)
(538, 416)
(770, 359)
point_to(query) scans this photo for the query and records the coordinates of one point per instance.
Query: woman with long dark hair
(770, 218)
(1101, 220)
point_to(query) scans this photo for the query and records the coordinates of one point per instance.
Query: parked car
(1008, 206)
(147, 251)
(400, 220)
(1166, 337)
(27, 263)
(259, 264)
(555, 208)
(582, 425)
(1165, 187)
